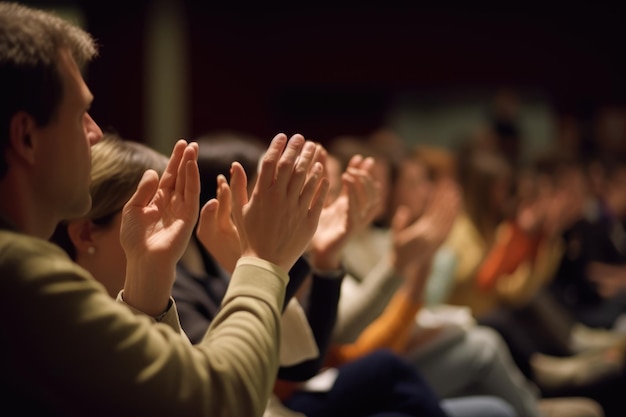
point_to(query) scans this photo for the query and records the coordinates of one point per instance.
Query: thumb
(146, 189)
(224, 196)
(207, 215)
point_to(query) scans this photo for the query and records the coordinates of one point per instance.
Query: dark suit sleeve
(321, 311)
(297, 274)
(197, 304)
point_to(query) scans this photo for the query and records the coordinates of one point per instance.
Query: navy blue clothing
(378, 384)
(198, 299)
(602, 240)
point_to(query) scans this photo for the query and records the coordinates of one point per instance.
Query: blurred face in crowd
(413, 187)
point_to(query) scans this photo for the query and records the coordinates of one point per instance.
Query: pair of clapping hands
(277, 222)
(415, 242)
(224, 236)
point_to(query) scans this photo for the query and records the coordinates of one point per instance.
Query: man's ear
(80, 233)
(21, 130)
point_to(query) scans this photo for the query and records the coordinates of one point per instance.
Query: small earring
(91, 250)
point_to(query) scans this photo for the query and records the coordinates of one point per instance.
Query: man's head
(30, 41)
(45, 128)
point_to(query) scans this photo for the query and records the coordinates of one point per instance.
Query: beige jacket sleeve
(72, 350)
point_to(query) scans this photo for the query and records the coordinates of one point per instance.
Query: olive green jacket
(68, 349)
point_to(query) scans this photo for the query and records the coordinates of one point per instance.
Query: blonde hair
(117, 167)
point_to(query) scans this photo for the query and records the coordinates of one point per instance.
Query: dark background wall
(324, 70)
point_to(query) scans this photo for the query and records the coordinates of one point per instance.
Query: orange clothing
(512, 289)
(284, 389)
(513, 246)
(391, 330)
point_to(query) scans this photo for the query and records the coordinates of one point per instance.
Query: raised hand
(157, 223)
(216, 230)
(351, 211)
(278, 220)
(415, 244)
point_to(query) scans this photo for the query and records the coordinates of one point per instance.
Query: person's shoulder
(12, 243)
(462, 229)
(24, 257)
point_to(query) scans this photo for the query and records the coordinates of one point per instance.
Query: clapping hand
(278, 220)
(157, 223)
(216, 230)
(415, 244)
(350, 212)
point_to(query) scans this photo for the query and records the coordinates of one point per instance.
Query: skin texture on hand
(277, 222)
(350, 212)
(216, 230)
(157, 223)
(415, 244)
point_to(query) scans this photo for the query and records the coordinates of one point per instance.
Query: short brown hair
(30, 42)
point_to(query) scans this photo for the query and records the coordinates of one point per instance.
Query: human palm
(351, 211)
(418, 241)
(158, 219)
(216, 230)
(277, 221)
(157, 223)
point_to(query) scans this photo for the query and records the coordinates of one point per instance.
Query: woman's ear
(21, 134)
(80, 233)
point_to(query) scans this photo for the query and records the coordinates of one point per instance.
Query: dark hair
(554, 164)
(218, 150)
(30, 43)
(478, 170)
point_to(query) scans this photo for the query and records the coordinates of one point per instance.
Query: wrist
(148, 290)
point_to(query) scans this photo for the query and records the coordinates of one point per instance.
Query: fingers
(321, 156)
(311, 190)
(238, 187)
(362, 190)
(319, 197)
(210, 208)
(169, 177)
(355, 161)
(146, 189)
(190, 154)
(192, 182)
(267, 171)
(224, 197)
(358, 205)
(207, 222)
(291, 165)
(207, 217)
(301, 165)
